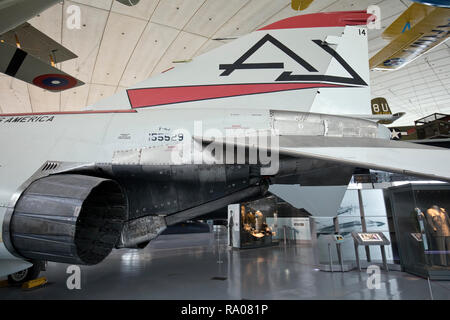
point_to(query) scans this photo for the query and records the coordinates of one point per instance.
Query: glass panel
(373, 201)
(422, 226)
(434, 221)
(350, 204)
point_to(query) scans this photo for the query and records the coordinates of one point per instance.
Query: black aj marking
(15, 62)
(355, 79)
(239, 63)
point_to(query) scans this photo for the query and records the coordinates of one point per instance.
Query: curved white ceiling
(118, 46)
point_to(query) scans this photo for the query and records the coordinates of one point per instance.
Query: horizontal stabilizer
(381, 118)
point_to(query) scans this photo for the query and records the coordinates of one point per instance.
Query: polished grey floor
(200, 266)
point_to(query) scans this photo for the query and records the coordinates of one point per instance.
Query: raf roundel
(55, 81)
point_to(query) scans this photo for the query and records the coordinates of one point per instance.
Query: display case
(422, 228)
(247, 222)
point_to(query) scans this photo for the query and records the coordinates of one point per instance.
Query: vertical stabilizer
(316, 62)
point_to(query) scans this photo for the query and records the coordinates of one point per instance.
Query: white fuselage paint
(95, 138)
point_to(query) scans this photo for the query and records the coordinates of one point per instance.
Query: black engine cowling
(68, 218)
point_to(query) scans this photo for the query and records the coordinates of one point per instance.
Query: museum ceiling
(118, 46)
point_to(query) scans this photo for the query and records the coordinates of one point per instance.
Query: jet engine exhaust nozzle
(68, 218)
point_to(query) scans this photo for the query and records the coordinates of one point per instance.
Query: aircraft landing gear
(28, 274)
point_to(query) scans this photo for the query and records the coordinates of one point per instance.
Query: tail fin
(380, 106)
(316, 63)
(381, 112)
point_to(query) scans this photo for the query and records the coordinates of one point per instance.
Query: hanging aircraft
(287, 105)
(28, 54)
(422, 27)
(435, 3)
(300, 5)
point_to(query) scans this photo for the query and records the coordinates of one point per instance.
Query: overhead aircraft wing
(17, 63)
(386, 155)
(15, 12)
(37, 44)
(416, 31)
(435, 3)
(300, 5)
(129, 3)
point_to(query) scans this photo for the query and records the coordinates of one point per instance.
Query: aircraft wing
(417, 30)
(129, 3)
(37, 44)
(386, 155)
(16, 12)
(300, 5)
(17, 63)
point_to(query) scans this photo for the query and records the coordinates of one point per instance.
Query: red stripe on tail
(148, 97)
(322, 19)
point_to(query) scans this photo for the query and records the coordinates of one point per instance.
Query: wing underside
(17, 63)
(401, 157)
(416, 31)
(31, 56)
(392, 156)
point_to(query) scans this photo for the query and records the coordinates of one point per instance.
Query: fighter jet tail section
(304, 63)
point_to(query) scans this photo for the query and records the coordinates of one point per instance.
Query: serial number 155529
(159, 136)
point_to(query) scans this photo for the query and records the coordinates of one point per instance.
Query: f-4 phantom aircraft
(288, 104)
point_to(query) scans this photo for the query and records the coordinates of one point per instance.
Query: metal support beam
(215, 205)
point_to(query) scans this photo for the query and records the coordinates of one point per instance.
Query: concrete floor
(184, 267)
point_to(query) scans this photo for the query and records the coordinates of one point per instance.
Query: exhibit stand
(422, 228)
(370, 239)
(334, 242)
